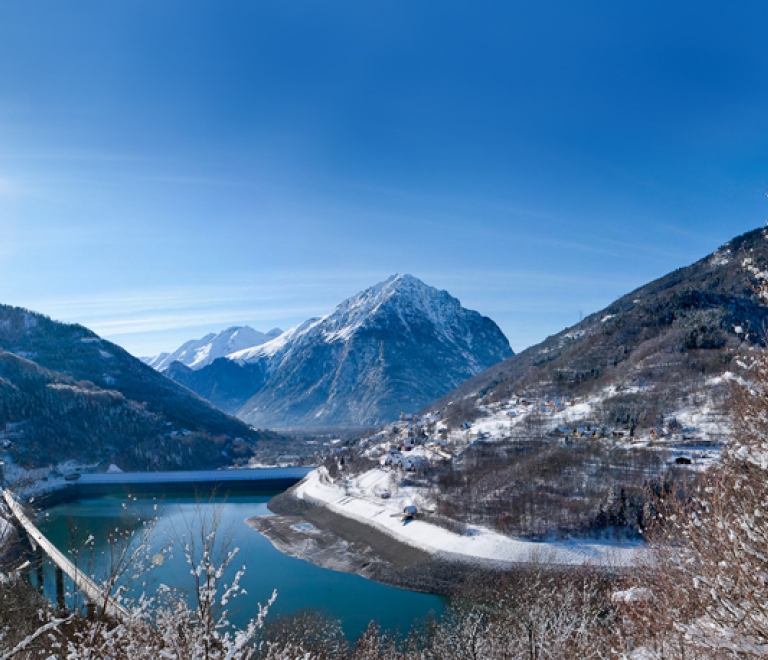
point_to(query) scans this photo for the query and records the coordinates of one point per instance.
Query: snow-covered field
(362, 501)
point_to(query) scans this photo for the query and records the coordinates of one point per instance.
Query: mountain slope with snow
(198, 353)
(393, 347)
(659, 349)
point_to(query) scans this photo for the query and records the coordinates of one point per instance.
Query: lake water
(299, 584)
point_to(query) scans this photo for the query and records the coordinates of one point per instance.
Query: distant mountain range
(198, 353)
(65, 393)
(390, 349)
(657, 350)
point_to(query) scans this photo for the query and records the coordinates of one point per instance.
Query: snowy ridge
(198, 353)
(396, 346)
(403, 294)
(273, 347)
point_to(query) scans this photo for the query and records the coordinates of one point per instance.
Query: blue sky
(171, 168)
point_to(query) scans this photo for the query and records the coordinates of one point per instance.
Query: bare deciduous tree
(706, 584)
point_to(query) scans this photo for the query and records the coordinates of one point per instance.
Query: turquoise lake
(353, 600)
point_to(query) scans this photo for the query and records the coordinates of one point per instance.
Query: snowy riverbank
(479, 546)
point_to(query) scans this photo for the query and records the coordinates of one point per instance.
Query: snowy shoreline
(478, 546)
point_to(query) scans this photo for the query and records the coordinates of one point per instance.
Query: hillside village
(415, 442)
(423, 465)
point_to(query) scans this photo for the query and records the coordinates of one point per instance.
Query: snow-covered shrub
(707, 581)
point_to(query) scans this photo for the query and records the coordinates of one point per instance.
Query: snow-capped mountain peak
(198, 353)
(403, 295)
(396, 345)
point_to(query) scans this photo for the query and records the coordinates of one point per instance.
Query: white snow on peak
(197, 353)
(404, 295)
(351, 314)
(271, 348)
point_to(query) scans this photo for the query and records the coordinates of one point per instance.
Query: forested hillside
(66, 394)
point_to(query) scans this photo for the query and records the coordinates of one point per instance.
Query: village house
(414, 462)
(394, 459)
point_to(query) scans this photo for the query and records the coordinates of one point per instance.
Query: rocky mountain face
(659, 349)
(392, 348)
(198, 353)
(65, 393)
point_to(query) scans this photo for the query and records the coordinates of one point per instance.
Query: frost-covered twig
(42, 630)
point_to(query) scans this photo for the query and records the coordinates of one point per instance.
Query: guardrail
(92, 591)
